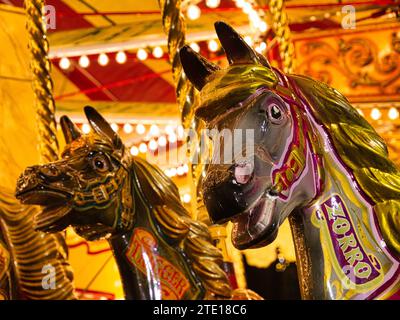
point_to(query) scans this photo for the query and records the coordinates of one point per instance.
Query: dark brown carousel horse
(102, 191)
(312, 158)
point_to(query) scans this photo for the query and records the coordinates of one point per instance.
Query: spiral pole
(42, 82)
(282, 31)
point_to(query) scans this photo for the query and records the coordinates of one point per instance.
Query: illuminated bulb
(128, 128)
(64, 63)
(141, 54)
(162, 141)
(154, 130)
(153, 144)
(172, 138)
(140, 129)
(143, 147)
(115, 127)
(393, 113)
(172, 172)
(313, 18)
(185, 168)
(186, 198)
(169, 129)
(375, 114)
(213, 3)
(180, 171)
(193, 12)
(103, 59)
(195, 47)
(246, 7)
(258, 49)
(85, 128)
(263, 26)
(213, 45)
(167, 172)
(158, 52)
(240, 3)
(248, 40)
(180, 132)
(256, 23)
(134, 151)
(84, 61)
(263, 46)
(120, 57)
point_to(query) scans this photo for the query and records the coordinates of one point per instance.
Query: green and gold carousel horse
(103, 191)
(312, 158)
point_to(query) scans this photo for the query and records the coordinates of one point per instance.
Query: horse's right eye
(100, 163)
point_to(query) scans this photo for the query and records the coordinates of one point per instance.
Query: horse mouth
(54, 204)
(257, 226)
(43, 196)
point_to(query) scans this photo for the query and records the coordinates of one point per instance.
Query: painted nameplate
(143, 254)
(357, 269)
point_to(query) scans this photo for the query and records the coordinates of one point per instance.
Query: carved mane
(176, 223)
(362, 150)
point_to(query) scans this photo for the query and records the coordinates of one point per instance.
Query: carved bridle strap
(294, 161)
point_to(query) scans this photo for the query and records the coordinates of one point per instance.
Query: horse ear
(69, 129)
(196, 67)
(236, 49)
(102, 127)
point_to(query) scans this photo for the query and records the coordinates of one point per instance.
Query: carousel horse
(312, 158)
(102, 191)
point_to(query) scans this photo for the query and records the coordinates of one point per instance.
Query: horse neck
(338, 244)
(152, 267)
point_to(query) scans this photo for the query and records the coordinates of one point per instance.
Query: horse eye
(275, 112)
(100, 163)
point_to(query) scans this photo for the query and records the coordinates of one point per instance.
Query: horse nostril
(243, 172)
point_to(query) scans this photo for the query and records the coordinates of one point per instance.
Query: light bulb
(180, 131)
(85, 128)
(143, 147)
(141, 54)
(162, 141)
(180, 171)
(393, 113)
(120, 57)
(193, 12)
(186, 198)
(195, 47)
(140, 129)
(84, 61)
(115, 127)
(64, 63)
(172, 172)
(248, 40)
(172, 138)
(263, 27)
(153, 144)
(169, 129)
(213, 45)
(263, 46)
(213, 3)
(185, 168)
(376, 114)
(103, 59)
(134, 151)
(128, 128)
(158, 52)
(154, 130)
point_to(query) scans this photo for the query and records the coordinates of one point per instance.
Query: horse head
(88, 188)
(258, 190)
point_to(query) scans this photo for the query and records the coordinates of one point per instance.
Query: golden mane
(362, 150)
(176, 223)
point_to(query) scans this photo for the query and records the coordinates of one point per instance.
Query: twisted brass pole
(42, 83)
(174, 26)
(282, 31)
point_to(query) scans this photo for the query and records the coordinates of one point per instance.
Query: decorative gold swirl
(282, 31)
